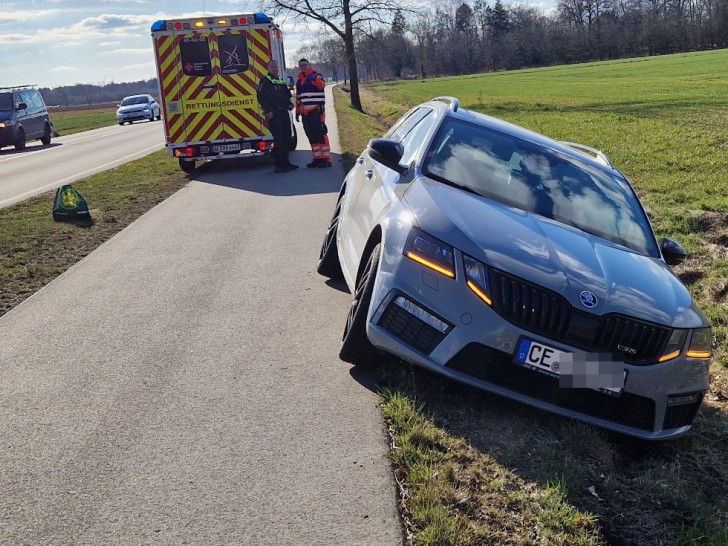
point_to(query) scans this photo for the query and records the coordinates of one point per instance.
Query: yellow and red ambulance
(208, 69)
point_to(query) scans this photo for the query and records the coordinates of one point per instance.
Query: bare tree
(346, 18)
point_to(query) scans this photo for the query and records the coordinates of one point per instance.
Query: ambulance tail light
(188, 151)
(262, 146)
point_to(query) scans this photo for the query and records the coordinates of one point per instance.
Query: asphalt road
(181, 385)
(39, 168)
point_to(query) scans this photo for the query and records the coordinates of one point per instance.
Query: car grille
(549, 314)
(497, 367)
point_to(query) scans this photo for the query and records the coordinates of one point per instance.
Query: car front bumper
(440, 324)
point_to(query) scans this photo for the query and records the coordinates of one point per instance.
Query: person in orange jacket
(310, 102)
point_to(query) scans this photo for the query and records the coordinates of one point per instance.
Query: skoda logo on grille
(588, 299)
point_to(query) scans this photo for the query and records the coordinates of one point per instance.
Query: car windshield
(6, 101)
(536, 180)
(128, 101)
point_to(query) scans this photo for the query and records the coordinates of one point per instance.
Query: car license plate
(573, 371)
(226, 148)
(539, 356)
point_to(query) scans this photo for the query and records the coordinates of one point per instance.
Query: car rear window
(537, 180)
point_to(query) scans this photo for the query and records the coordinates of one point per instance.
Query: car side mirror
(388, 153)
(22, 106)
(672, 251)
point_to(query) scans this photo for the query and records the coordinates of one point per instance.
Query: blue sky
(51, 43)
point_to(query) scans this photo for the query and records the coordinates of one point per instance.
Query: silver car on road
(138, 107)
(520, 265)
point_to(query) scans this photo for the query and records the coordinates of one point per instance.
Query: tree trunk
(351, 59)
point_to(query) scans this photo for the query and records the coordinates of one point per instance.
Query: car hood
(133, 108)
(558, 257)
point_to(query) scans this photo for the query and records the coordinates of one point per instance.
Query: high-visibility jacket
(309, 91)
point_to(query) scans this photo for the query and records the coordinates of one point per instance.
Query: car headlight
(701, 343)
(476, 278)
(429, 251)
(699, 347)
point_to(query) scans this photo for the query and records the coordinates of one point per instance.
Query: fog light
(679, 399)
(420, 313)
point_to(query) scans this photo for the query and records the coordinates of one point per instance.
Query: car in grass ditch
(520, 265)
(136, 108)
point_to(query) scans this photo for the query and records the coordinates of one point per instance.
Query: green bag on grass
(69, 206)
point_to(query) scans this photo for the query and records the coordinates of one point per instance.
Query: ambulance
(208, 69)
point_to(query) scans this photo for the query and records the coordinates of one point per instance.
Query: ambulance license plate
(226, 148)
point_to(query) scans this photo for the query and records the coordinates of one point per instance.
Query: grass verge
(34, 249)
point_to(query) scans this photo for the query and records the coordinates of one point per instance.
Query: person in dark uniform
(274, 98)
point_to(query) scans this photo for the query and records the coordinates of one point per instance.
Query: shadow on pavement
(256, 175)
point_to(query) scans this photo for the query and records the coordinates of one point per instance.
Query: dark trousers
(314, 127)
(280, 128)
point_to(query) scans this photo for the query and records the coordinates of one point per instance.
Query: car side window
(414, 138)
(400, 130)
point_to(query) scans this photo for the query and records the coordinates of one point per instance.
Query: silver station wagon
(520, 265)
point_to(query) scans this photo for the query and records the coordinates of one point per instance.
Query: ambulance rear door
(213, 99)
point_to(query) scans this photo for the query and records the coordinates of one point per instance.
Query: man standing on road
(274, 98)
(310, 104)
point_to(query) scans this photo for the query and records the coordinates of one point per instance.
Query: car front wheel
(328, 263)
(355, 346)
(20, 140)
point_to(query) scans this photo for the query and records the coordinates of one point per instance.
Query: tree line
(84, 94)
(463, 38)
(383, 39)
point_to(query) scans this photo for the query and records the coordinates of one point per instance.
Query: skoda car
(518, 264)
(138, 107)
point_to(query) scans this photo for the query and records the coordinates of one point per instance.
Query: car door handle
(368, 174)
(360, 161)
(209, 86)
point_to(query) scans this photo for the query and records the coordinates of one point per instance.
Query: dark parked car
(23, 117)
(138, 107)
(520, 265)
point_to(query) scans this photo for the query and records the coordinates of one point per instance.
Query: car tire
(159, 116)
(355, 345)
(187, 165)
(151, 116)
(46, 138)
(20, 140)
(328, 263)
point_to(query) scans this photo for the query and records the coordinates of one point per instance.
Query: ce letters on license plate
(538, 356)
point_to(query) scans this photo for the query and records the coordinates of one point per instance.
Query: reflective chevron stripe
(218, 106)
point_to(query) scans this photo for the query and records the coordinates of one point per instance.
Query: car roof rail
(593, 152)
(454, 103)
(20, 86)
